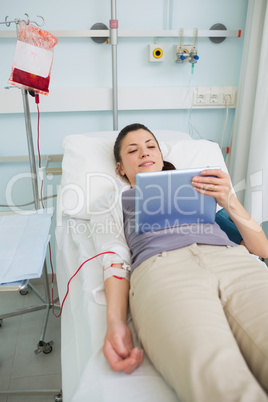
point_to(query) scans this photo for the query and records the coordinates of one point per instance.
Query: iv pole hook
(36, 23)
(6, 21)
(28, 19)
(42, 23)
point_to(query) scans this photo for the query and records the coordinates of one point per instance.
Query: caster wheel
(58, 398)
(24, 292)
(48, 350)
(44, 347)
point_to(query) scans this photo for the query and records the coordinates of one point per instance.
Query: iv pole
(114, 35)
(30, 146)
(42, 346)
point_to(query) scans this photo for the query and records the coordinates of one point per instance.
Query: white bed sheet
(85, 372)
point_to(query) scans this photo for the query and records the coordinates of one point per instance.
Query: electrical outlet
(228, 96)
(215, 95)
(200, 96)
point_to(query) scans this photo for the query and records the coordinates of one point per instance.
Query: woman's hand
(118, 349)
(218, 187)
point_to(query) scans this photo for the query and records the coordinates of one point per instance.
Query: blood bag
(33, 58)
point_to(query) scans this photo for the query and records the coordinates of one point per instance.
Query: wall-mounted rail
(87, 33)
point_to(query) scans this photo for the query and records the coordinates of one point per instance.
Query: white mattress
(85, 373)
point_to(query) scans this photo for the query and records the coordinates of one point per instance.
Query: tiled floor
(20, 367)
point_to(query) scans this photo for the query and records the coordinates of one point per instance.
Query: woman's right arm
(118, 345)
(108, 235)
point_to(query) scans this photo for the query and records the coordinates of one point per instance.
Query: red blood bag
(33, 58)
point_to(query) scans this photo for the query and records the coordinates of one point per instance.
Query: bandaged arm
(108, 232)
(119, 271)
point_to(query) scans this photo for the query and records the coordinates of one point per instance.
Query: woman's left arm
(220, 188)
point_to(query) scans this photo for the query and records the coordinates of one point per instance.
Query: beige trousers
(201, 314)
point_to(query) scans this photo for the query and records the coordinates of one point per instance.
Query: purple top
(145, 245)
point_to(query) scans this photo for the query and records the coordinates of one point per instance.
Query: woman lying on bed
(198, 300)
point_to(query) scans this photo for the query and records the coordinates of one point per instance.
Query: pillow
(88, 167)
(88, 171)
(195, 153)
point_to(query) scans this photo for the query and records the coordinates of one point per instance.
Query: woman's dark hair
(168, 166)
(129, 129)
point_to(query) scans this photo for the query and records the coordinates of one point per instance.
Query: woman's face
(139, 153)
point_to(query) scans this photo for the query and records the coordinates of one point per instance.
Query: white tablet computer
(167, 198)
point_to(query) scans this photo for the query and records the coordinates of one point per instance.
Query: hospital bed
(88, 170)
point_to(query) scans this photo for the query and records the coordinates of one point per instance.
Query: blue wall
(80, 62)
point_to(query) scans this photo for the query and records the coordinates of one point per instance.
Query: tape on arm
(120, 273)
